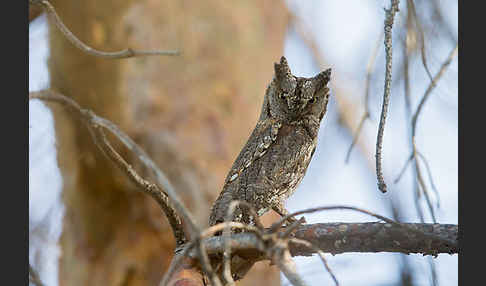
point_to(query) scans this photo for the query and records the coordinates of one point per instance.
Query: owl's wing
(264, 134)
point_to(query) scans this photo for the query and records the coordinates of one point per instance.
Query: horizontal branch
(126, 53)
(378, 237)
(338, 238)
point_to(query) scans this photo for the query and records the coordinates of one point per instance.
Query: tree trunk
(191, 113)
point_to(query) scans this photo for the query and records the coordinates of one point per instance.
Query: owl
(276, 156)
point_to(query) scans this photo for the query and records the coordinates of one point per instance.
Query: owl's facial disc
(298, 93)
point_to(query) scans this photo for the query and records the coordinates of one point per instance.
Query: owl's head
(295, 97)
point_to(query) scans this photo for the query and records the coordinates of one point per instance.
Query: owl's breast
(281, 169)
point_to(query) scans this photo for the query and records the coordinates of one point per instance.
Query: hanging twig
(415, 152)
(431, 87)
(390, 15)
(413, 13)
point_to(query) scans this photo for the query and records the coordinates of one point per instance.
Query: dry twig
(165, 197)
(284, 261)
(127, 53)
(390, 15)
(227, 247)
(321, 256)
(92, 122)
(415, 152)
(413, 12)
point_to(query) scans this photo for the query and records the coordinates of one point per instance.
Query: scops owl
(276, 156)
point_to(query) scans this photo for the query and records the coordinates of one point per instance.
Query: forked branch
(95, 124)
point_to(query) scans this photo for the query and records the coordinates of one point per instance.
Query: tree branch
(339, 238)
(95, 125)
(127, 53)
(390, 15)
(415, 151)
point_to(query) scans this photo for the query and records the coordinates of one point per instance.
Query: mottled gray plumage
(275, 158)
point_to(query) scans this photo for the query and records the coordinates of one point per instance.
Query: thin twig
(226, 232)
(148, 163)
(431, 178)
(404, 168)
(162, 196)
(181, 253)
(96, 130)
(413, 12)
(366, 115)
(415, 152)
(422, 102)
(279, 223)
(410, 46)
(227, 248)
(369, 71)
(127, 53)
(206, 264)
(431, 87)
(417, 202)
(186, 249)
(230, 224)
(390, 15)
(292, 227)
(433, 271)
(284, 261)
(421, 182)
(321, 256)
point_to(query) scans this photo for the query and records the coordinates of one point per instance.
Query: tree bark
(191, 113)
(334, 238)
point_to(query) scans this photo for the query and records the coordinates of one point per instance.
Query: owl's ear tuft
(322, 79)
(282, 69)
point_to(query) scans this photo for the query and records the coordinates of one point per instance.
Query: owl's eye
(312, 100)
(283, 95)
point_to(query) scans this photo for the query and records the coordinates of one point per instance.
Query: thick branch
(352, 237)
(377, 237)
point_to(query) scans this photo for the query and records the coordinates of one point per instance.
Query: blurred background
(193, 113)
